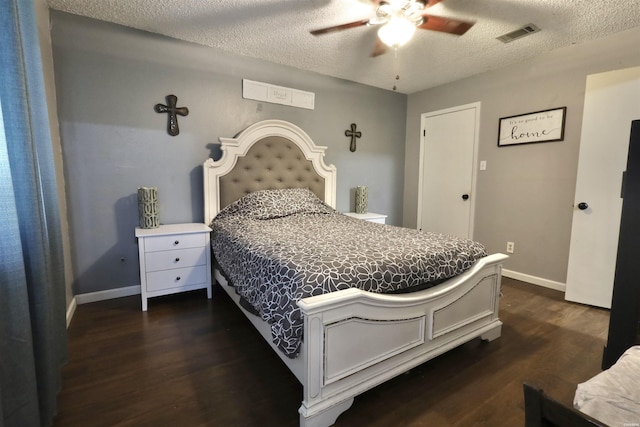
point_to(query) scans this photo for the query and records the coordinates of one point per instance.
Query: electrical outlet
(510, 247)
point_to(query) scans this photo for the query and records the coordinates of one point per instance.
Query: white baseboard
(70, 310)
(535, 280)
(135, 290)
(108, 294)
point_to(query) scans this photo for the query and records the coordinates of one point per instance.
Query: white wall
(526, 193)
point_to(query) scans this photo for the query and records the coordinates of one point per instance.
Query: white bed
(394, 333)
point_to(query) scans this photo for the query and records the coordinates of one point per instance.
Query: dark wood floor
(193, 362)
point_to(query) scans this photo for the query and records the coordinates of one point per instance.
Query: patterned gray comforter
(279, 246)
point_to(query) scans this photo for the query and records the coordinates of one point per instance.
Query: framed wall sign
(539, 126)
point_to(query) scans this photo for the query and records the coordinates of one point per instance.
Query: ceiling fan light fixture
(413, 12)
(397, 32)
(384, 10)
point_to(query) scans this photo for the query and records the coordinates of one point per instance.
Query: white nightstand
(174, 258)
(369, 216)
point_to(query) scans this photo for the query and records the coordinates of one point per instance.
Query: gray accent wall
(108, 78)
(526, 194)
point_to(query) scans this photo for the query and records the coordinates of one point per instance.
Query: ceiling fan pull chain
(396, 66)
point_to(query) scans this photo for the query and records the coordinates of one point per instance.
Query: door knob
(582, 206)
(465, 197)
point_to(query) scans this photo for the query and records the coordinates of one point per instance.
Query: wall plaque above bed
(277, 94)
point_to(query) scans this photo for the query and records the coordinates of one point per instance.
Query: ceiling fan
(399, 20)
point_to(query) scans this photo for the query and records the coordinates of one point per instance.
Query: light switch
(483, 165)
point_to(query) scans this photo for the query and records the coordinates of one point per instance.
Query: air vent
(519, 33)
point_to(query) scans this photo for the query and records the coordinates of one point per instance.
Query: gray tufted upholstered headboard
(271, 163)
(270, 154)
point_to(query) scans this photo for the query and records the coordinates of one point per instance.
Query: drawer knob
(177, 259)
(176, 242)
(177, 278)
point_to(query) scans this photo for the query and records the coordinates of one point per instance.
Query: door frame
(474, 172)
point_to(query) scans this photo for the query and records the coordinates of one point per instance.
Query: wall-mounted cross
(172, 124)
(353, 134)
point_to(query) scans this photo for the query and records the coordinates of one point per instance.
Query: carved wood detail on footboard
(356, 340)
(474, 306)
(377, 341)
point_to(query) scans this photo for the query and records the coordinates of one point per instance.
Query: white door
(612, 101)
(447, 173)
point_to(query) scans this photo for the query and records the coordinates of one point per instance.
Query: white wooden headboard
(266, 158)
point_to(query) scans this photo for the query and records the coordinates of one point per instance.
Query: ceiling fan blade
(379, 49)
(445, 25)
(340, 27)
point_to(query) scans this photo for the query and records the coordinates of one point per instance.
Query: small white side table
(174, 258)
(369, 216)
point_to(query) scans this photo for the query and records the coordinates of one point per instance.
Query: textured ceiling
(278, 31)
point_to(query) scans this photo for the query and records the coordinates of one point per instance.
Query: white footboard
(355, 340)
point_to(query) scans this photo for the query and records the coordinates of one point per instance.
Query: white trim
(108, 294)
(558, 286)
(71, 310)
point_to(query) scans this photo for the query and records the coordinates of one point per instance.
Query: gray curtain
(32, 301)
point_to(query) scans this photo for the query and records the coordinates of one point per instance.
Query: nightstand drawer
(164, 260)
(165, 243)
(174, 258)
(176, 278)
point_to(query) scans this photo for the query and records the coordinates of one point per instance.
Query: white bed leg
(326, 417)
(492, 334)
